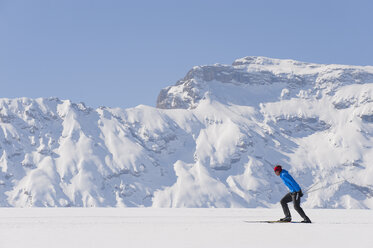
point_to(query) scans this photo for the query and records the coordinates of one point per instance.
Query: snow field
(163, 227)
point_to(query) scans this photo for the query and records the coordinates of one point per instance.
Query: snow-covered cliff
(212, 141)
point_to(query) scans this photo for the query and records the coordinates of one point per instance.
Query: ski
(270, 221)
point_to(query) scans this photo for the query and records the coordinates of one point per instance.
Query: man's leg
(296, 201)
(284, 203)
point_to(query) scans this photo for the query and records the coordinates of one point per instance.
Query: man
(294, 195)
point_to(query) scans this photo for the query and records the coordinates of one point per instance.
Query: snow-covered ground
(160, 227)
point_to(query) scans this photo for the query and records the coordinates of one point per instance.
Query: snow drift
(212, 141)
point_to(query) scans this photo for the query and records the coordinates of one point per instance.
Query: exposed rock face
(259, 71)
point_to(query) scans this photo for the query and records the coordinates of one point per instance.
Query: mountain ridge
(258, 71)
(212, 141)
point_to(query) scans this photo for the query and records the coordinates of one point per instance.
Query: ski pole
(326, 186)
(312, 186)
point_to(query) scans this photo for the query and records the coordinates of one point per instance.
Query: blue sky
(122, 53)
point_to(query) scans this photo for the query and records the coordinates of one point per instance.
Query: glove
(299, 192)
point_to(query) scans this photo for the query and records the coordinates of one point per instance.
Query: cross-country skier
(294, 195)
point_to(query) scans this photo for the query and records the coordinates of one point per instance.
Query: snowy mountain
(212, 141)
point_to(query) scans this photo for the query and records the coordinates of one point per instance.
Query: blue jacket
(289, 181)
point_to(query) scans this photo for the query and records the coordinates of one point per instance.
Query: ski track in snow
(163, 228)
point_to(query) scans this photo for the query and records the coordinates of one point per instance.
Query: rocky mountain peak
(253, 71)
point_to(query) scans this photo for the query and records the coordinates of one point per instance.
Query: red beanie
(278, 168)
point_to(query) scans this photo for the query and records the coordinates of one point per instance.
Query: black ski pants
(295, 198)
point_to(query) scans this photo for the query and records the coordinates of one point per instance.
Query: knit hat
(278, 168)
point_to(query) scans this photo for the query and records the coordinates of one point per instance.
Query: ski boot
(306, 220)
(286, 219)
